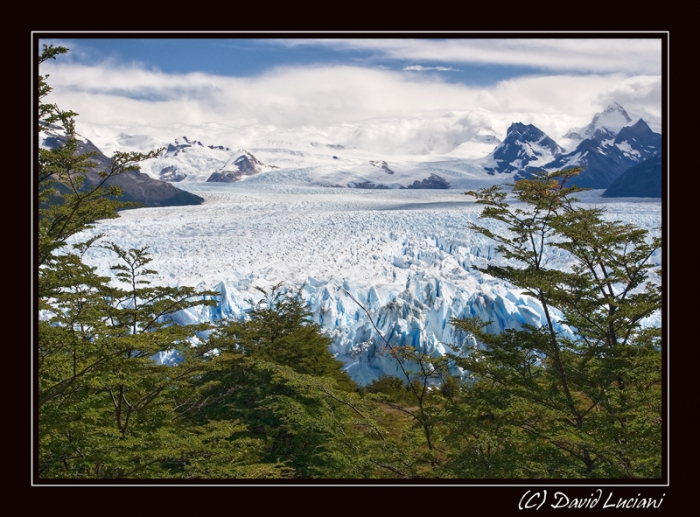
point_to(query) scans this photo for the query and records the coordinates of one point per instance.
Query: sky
(343, 87)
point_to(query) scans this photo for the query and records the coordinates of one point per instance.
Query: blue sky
(555, 83)
(242, 57)
(248, 57)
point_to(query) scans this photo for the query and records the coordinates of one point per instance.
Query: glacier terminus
(339, 222)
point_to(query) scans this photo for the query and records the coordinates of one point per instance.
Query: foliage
(106, 408)
(280, 330)
(68, 205)
(414, 408)
(274, 373)
(580, 397)
(391, 389)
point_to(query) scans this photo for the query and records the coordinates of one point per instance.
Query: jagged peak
(639, 128)
(518, 129)
(613, 118)
(515, 126)
(615, 106)
(612, 110)
(641, 123)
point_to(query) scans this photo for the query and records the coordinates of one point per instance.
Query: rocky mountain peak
(243, 165)
(613, 118)
(524, 145)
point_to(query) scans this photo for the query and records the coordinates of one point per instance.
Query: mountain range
(525, 146)
(606, 148)
(605, 155)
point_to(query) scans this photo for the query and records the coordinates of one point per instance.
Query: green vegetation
(578, 397)
(585, 403)
(106, 409)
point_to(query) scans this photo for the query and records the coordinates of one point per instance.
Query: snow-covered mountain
(478, 146)
(613, 119)
(454, 150)
(605, 155)
(188, 160)
(524, 145)
(136, 186)
(240, 168)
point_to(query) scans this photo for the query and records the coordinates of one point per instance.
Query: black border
(493, 493)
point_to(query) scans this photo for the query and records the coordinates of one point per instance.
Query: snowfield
(406, 255)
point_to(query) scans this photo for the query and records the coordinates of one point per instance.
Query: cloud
(640, 96)
(419, 68)
(594, 55)
(347, 102)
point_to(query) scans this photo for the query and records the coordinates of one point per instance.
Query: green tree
(422, 396)
(106, 408)
(274, 373)
(280, 329)
(67, 205)
(579, 396)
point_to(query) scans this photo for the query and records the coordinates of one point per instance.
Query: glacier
(406, 255)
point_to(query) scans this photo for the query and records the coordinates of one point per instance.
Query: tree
(66, 206)
(580, 395)
(280, 330)
(422, 395)
(107, 409)
(274, 373)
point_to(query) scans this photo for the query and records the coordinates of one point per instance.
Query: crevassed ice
(406, 255)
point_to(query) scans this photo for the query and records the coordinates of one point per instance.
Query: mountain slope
(239, 168)
(136, 186)
(641, 180)
(605, 155)
(613, 119)
(524, 145)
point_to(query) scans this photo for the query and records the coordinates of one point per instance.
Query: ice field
(406, 255)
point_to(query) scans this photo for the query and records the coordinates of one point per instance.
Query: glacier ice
(406, 255)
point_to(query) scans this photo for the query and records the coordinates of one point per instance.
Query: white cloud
(419, 68)
(640, 96)
(341, 102)
(594, 55)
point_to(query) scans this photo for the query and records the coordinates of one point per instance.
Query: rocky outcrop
(382, 165)
(243, 166)
(433, 182)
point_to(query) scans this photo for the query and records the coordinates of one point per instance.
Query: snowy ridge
(311, 164)
(50, 134)
(406, 255)
(391, 136)
(524, 146)
(449, 151)
(613, 118)
(606, 155)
